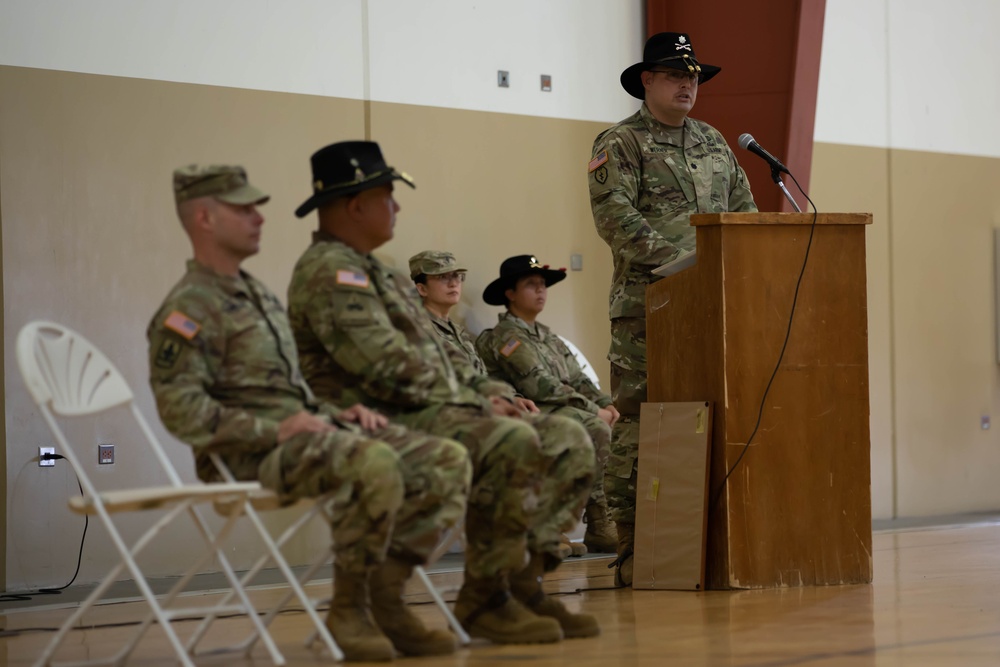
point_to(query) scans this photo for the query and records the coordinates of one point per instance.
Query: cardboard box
(671, 517)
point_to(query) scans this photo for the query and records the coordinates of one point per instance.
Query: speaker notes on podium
(682, 261)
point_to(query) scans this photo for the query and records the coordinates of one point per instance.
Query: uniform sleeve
(740, 197)
(579, 379)
(180, 375)
(351, 322)
(518, 362)
(614, 194)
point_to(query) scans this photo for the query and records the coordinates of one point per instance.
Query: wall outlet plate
(503, 78)
(43, 463)
(105, 454)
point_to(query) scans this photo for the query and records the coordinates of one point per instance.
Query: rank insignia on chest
(352, 278)
(509, 347)
(181, 324)
(168, 354)
(600, 159)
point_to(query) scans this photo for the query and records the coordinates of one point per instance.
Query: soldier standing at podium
(648, 174)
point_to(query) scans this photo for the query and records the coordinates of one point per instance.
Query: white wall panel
(911, 74)
(299, 46)
(945, 76)
(447, 52)
(851, 107)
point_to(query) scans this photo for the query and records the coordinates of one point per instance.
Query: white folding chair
(68, 377)
(268, 500)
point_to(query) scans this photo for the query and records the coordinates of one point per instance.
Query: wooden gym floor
(935, 601)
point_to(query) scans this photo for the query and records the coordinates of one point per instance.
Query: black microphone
(747, 142)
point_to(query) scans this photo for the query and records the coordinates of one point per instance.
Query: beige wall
(90, 240)
(932, 327)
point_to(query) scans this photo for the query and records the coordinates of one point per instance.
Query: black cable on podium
(777, 168)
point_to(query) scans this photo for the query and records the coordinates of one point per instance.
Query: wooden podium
(797, 509)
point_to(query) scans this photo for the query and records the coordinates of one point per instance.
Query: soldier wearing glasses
(648, 174)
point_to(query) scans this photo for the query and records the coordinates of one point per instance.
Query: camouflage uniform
(460, 339)
(363, 336)
(224, 370)
(540, 367)
(646, 179)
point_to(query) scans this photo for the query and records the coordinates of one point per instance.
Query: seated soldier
(364, 337)
(225, 373)
(526, 354)
(439, 280)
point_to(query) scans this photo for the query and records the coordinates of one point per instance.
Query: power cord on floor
(22, 597)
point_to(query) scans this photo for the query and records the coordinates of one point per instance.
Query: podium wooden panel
(797, 509)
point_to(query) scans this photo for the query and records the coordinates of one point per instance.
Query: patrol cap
(223, 182)
(672, 50)
(433, 263)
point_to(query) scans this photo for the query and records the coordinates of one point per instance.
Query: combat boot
(568, 547)
(526, 586)
(486, 609)
(406, 632)
(626, 545)
(350, 622)
(601, 536)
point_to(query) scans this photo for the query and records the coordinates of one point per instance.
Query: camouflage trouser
(600, 436)
(518, 483)
(628, 390)
(568, 480)
(395, 491)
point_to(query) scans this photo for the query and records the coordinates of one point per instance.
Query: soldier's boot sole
(574, 626)
(409, 635)
(504, 620)
(357, 637)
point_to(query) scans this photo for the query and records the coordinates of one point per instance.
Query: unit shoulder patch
(168, 353)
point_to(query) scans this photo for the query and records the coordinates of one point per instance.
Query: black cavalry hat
(665, 49)
(345, 168)
(513, 268)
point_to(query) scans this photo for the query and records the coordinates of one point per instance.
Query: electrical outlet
(42, 463)
(105, 454)
(503, 78)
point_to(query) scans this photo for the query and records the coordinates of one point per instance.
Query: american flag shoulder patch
(509, 347)
(181, 324)
(352, 278)
(601, 158)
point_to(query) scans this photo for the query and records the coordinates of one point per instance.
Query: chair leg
(265, 636)
(156, 610)
(456, 627)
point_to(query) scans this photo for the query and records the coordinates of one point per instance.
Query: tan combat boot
(486, 609)
(350, 622)
(626, 545)
(569, 548)
(526, 586)
(601, 536)
(407, 633)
